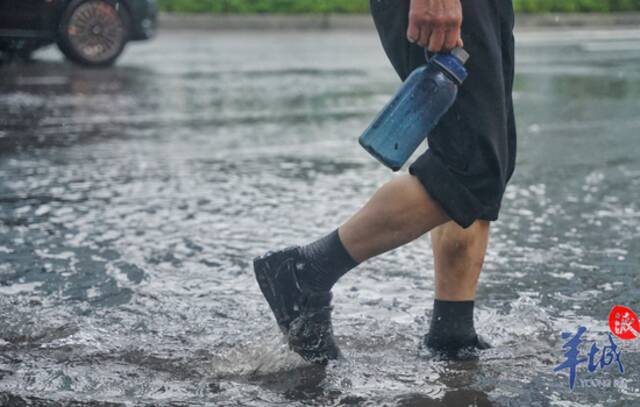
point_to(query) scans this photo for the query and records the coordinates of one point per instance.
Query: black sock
(451, 326)
(328, 261)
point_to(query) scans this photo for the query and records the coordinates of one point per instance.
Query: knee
(455, 248)
(456, 244)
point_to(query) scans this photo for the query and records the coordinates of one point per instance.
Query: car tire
(93, 32)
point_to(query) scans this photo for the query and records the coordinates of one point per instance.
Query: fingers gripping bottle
(414, 111)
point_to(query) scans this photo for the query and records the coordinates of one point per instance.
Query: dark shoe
(455, 348)
(304, 316)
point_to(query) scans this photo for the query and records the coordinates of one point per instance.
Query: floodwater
(133, 199)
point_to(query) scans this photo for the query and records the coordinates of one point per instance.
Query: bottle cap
(460, 54)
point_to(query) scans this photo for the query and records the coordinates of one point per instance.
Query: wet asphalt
(132, 200)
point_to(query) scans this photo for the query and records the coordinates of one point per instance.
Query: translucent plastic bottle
(416, 108)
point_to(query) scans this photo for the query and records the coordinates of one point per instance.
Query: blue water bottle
(416, 108)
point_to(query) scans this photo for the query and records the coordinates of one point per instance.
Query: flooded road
(133, 199)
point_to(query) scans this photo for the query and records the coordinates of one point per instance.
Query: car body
(26, 25)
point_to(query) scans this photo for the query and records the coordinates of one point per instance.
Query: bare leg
(458, 255)
(399, 212)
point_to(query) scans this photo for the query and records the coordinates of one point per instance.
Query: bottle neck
(450, 66)
(446, 73)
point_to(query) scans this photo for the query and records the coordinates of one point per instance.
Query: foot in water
(454, 347)
(303, 315)
(451, 332)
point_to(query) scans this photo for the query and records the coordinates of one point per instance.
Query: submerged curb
(175, 21)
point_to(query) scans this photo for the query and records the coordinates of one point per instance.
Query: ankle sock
(328, 261)
(451, 326)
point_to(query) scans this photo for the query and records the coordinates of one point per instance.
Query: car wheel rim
(96, 31)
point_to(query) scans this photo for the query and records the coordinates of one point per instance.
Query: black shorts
(472, 150)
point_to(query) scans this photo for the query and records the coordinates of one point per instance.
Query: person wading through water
(454, 190)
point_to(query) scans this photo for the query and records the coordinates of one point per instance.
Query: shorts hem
(455, 199)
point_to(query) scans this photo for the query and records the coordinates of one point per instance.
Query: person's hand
(435, 24)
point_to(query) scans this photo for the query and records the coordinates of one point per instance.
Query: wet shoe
(455, 348)
(304, 316)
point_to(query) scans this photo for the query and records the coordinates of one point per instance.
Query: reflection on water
(133, 199)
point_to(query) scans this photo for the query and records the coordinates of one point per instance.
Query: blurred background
(361, 6)
(148, 151)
